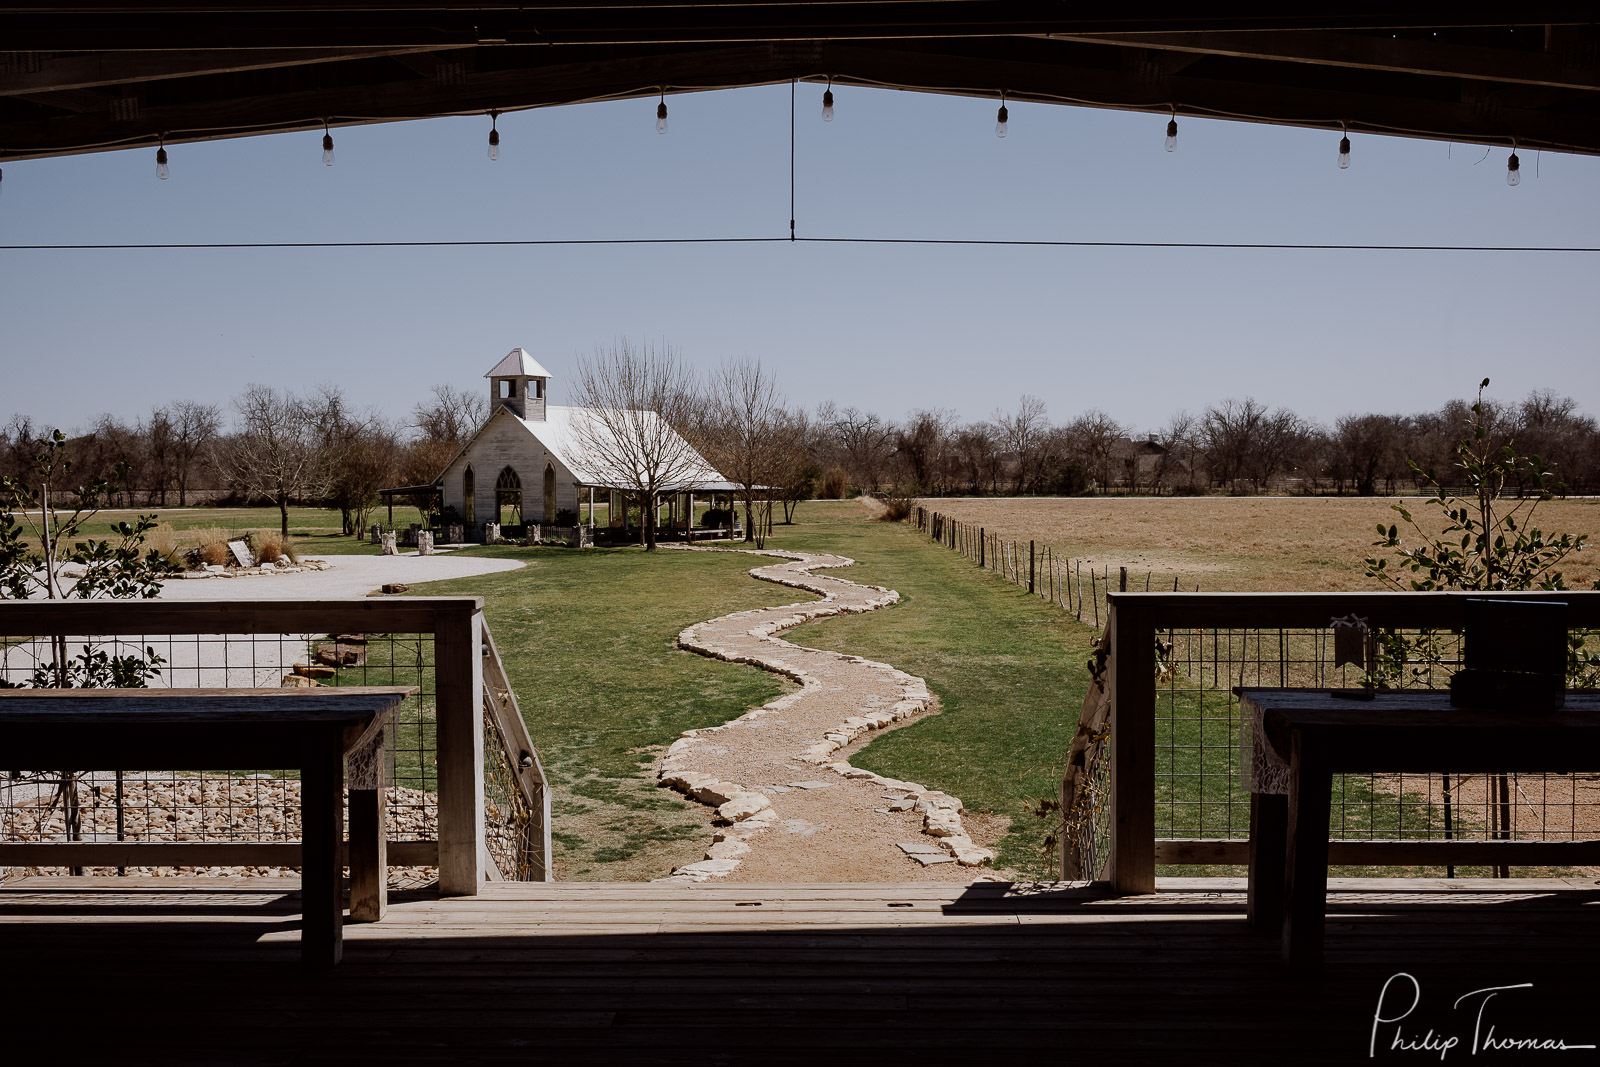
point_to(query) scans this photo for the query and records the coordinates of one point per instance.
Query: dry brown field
(1237, 543)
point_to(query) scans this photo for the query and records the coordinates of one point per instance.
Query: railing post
(1131, 671)
(458, 694)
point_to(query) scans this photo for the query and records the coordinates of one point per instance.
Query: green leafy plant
(1489, 542)
(118, 567)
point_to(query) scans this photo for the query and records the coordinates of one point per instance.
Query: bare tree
(1180, 458)
(634, 396)
(360, 456)
(195, 428)
(737, 427)
(977, 453)
(923, 445)
(450, 415)
(278, 451)
(863, 442)
(1023, 435)
(1092, 439)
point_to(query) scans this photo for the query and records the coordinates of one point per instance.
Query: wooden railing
(1137, 619)
(456, 627)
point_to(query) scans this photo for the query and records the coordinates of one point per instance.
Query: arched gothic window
(508, 497)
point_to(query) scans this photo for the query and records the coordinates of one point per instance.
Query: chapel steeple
(518, 382)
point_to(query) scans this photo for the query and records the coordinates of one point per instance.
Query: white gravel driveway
(350, 576)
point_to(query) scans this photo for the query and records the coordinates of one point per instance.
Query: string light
(1001, 117)
(1172, 131)
(494, 136)
(1344, 149)
(661, 113)
(327, 145)
(1513, 167)
(827, 102)
(161, 157)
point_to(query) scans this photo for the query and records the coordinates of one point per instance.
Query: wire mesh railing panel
(510, 822)
(223, 804)
(1203, 747)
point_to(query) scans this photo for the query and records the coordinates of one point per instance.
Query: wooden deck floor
(159, 970)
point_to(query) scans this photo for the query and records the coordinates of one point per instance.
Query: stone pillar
(377, 532)
(491, 532)
(454, 534)
(424, 542)
(389, 548)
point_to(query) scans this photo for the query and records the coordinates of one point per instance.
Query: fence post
(1122, 583)
(458, 688)
(1031, 554)
(983, 544)
(1131, 673)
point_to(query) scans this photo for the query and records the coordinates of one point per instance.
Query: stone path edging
(748, 812)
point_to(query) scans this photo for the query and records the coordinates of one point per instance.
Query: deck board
(199, 970)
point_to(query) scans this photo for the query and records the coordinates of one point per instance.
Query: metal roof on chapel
(518, 364)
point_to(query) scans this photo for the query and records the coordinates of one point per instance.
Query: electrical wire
(1287, 246)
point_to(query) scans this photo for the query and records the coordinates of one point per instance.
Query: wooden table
(312, 730)
(1321, 735)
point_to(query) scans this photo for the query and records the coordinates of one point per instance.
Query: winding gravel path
(792, 809)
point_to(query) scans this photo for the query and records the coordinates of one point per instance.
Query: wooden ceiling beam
(137, 27)
(1367, 52)
(85, 71)
(973, 68)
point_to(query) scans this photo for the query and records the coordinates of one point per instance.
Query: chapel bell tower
(518, 382)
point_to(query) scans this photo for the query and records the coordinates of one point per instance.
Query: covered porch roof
(100, 75)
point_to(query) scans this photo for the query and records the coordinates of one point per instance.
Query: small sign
(241, 553)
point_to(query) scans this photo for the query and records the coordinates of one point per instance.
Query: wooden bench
(1415, 731)
(312, 730)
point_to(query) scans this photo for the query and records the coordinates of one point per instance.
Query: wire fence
(1077, 586)
(1203, 753)
(1203, 749)
(223, 805)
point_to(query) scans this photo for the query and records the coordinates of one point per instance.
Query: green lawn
(587, 641)
(1009, 671)
(587, 638)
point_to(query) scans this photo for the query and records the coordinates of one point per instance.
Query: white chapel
(527, 463)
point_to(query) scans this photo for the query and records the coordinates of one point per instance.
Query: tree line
(270, 446)
(1236, 446)
(278, 446)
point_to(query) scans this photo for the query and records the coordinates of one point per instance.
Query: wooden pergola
(100, 75)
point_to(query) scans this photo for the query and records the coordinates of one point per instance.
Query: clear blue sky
(1137, 333)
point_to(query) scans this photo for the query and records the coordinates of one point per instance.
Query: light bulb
(327, 149)
(1000, 119)
(1513, 170)
(661, 117)
(161, 164)
(1172, 135)
(494, 145)
(1344, 153)
(827, 106)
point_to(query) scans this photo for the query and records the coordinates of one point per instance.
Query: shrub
(271, 547)
(566, 517)
(897, 505)
(834, 483)
(216, 554)
(717, 518)
(163, 540)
